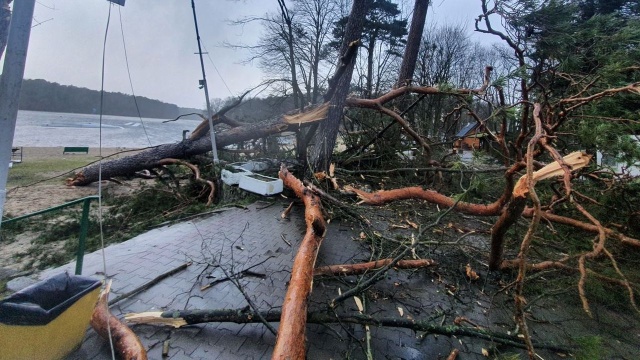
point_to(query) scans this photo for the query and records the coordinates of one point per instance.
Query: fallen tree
(153, 157)
(200, 143)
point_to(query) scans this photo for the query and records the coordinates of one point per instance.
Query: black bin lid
(40, 303)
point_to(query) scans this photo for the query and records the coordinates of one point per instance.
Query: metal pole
(206, 88)
(84, 226)
(10, 84)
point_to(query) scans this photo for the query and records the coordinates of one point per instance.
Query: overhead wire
(216, 69)
(104, 257)
(126, 59)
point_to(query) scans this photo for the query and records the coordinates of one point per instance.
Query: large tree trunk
(369, 85)
(328, 130)
(286, 17)
(413, 42)
(152, 157)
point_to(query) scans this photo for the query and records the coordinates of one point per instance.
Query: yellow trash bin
(47, 320)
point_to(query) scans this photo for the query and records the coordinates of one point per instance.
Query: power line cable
(126, 59)
(216, 69)
(104, 258)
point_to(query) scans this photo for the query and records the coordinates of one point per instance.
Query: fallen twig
(239, 275)
(149, 284)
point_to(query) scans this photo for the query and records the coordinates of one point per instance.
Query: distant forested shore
(42, 95)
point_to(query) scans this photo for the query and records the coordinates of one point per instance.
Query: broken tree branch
(149, 284)
(290, 343)
(526, 241)
(177, 318)
(357, 269)
(125, 342)
(382, 197)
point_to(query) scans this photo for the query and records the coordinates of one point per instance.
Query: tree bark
(151, 158)
(414, 39)
(328, 129)
(126, 343)
(290, 343)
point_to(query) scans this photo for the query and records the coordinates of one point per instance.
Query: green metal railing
(84, 224)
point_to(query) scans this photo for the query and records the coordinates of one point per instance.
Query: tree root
(196, 174)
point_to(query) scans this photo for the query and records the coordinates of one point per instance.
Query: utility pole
(203, 83)
(10, 85)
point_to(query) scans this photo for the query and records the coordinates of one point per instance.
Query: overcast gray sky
(67, 46)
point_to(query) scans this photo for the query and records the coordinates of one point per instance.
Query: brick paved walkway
(237, 239)
(234, 239)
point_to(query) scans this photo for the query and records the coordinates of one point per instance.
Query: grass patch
(37, 170)
(589, 347)
(172, 197)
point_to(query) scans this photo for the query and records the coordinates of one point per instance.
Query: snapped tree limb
(290, 343)
(125, 342)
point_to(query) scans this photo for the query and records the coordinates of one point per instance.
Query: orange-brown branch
(385, 196)
(125, 342)
(357, 269)
(528, 212)
(290, 343)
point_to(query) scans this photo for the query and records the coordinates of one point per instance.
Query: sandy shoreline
(26, 199)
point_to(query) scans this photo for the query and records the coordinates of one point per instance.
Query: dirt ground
(29, 198)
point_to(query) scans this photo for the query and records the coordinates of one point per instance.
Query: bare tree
(315, 19)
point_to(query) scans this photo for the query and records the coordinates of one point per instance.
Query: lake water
(47, 129)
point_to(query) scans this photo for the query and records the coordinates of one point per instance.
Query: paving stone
(230, 342)
(215, 239)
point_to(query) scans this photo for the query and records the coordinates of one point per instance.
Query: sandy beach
(29, 198)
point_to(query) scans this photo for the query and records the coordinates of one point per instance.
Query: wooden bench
(76, 150)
